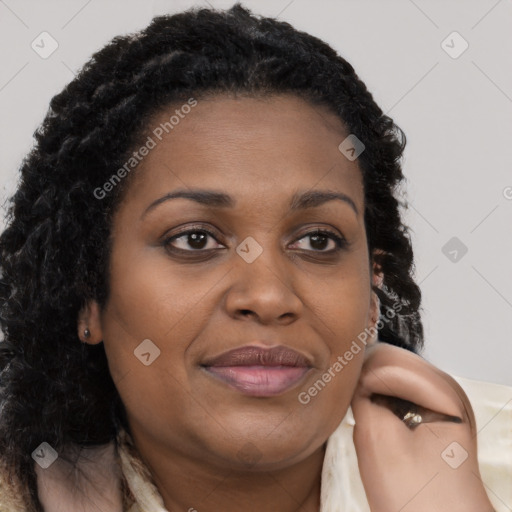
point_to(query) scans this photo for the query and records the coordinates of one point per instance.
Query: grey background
(456, 113)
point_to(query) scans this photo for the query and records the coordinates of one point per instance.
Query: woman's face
(261, 279)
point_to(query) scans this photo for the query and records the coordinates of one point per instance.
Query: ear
(89, 324)
(377, 273)
(377, 278)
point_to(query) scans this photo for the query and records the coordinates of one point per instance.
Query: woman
(202, 259)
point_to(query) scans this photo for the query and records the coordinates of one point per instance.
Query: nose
(263, 291)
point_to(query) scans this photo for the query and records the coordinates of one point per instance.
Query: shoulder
(492, 405)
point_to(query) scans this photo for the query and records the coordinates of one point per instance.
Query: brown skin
(403, 468)
(195, 432)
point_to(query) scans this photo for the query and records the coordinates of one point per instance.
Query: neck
(191, 485)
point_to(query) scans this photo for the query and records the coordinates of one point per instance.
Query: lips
(257, 371)
(252, 355)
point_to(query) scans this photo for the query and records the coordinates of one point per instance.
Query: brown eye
(193, 240)
(320, 240)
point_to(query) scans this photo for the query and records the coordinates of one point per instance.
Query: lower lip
(259, 380)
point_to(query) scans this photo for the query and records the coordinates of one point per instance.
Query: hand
(415, 467)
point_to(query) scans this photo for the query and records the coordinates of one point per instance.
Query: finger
(396, 372)
(408, 411)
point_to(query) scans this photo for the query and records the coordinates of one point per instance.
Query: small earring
(87, 333)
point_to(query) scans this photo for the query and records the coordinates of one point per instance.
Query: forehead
(254, 147)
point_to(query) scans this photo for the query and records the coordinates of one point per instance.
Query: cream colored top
(120, 482)
(342, 488)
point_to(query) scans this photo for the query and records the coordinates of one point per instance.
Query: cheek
(152, 314)
(342, 315)
(343, 310)
(154, 298)
(155, 394)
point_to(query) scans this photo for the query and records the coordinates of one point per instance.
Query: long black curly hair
(55, 249)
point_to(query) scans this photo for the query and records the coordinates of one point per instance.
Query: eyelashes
(190, 238)
(339, 241)
(190, 235)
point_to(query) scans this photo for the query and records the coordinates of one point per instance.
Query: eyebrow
(213, 199)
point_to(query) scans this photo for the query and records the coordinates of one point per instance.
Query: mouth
(261, 372)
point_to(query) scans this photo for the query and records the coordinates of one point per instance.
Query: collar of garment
(117, 480)
(338, 475)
